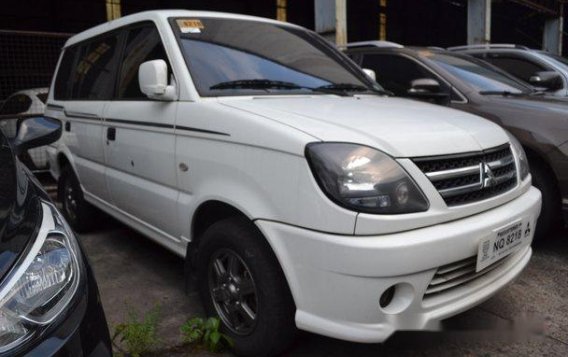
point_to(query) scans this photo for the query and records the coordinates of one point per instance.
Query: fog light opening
(387, 296)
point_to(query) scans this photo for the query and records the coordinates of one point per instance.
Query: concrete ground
(135, 273)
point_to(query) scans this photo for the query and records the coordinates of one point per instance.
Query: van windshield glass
(484, 78)
(241, 57)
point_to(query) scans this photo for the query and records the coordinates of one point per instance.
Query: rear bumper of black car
(82, 331)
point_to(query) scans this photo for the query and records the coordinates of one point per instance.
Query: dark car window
(94, 73)
(221, 51)
(518, 67)
(143, 44)
(63, 85)
(479, 75)
(395, 73)
(16, 104)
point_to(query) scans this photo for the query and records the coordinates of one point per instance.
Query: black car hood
(20, 212)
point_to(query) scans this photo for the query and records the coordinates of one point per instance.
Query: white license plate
(504, 241)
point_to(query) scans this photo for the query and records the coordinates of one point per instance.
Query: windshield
(240, 57)
(559, 59)
(477, 74)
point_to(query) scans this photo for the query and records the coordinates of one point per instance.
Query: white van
(300, 195)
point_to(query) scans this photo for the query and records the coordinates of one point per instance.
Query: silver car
(20, 105)
(535, 67)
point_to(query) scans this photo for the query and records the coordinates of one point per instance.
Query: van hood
(398, 127)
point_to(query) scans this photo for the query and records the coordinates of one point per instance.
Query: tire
(272, 328)
(78, 212)
(543, 179)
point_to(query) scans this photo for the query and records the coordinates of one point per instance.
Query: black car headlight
(39, 289)
(364, 179)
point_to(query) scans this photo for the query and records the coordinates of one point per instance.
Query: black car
(466, 83)
(49, 300)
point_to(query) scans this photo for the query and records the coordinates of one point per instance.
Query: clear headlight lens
(521, 156)
(41, 287)
(364, 179)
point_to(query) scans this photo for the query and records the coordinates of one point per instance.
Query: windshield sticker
(190, 25)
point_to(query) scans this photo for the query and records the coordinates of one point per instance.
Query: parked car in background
(20, 105)
(49, 303)
(535, 67)
(298, 193)
(462, 82)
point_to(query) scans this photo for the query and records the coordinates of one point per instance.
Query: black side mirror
(35, 132)
(547, 79)
(428, 89)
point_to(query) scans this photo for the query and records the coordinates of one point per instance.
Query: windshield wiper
(504, 93)
(255, 84)
(342, 89)
(349, 87)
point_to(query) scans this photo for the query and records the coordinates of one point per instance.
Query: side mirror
(424, 85)
(547, 79)
(429, 90)
(153, 79)
(370, 73)
(35, 132)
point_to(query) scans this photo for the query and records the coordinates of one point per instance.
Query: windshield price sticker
(504, 242)
(190, 25)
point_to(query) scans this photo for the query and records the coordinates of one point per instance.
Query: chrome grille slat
(471, 177)
(501, 162)
(443, 281)
(446, 174)
(450, 267)
(449, 192)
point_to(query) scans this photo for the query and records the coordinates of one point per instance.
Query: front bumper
(337, 280)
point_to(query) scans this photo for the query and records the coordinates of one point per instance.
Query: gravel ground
(135, 273)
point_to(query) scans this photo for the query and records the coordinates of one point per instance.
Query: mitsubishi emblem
(487, 176)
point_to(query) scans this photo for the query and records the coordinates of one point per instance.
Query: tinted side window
(518, 67)
(95, 71)
(142, 44)
(62, 88)
(396, 73)
(16, 104)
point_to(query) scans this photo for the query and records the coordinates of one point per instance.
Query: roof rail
(487, 46)
(379, 44)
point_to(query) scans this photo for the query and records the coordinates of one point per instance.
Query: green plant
(198, 332)
(137, 336)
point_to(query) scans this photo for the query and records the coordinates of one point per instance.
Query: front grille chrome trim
(449, 192)
(447, 174)
(471, 177)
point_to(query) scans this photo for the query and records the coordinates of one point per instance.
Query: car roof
(491, 47)
(164, 15)
(411, 50)
(31, 92)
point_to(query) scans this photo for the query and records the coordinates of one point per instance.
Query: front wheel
(240, 280)
(78, 212)
(549, 218)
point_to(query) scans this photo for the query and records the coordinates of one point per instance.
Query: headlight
(43, 284)
(363, 179)
(521, 156)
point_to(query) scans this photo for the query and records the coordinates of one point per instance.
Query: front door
(139, 140)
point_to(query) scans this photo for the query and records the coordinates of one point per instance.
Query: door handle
(111, 134)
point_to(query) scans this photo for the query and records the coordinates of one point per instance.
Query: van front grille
(471, 177)
(456, 274)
